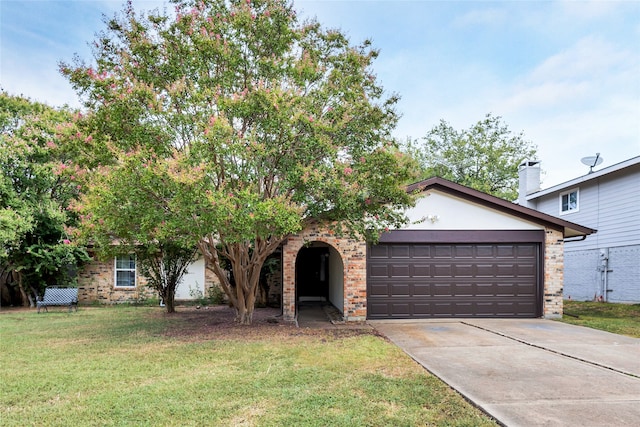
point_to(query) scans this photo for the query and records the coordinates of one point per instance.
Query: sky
(564, 73)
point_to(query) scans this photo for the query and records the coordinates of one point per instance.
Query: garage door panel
(442, 270)
(442, 280)
(399, 270)
(485, 251)
(442, 251)
(381, 289)
(399, 251)
(421, 251)
(421, 270)
(379, 251)
(463, 251)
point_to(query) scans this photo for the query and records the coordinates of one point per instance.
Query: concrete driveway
(529, 372)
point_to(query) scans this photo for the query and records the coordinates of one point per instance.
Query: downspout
(604, 256)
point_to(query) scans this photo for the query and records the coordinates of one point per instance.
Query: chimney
(529, 174)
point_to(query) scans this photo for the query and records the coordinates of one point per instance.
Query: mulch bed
(218, 322)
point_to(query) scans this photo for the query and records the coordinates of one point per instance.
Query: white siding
(192, 283)
(441, 211)
(336, 280)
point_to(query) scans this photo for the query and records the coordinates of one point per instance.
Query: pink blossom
(51, 144)
(348, 171)
(66, 241)
(311, 118)
(367, 201)
(362, 160)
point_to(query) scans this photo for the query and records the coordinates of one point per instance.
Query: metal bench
(58, 296)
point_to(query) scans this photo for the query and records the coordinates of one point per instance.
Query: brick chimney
(529, 174)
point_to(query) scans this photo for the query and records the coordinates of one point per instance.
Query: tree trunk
(23, 294)
(246, 260)
(168, 297)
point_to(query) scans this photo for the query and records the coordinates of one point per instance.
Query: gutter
(574, 239)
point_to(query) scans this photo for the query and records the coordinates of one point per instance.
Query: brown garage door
(414, 280)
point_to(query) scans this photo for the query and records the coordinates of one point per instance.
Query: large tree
(485, 157)
(35, 249)
(239, 124)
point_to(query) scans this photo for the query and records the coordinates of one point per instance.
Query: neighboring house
(606, 265)
(464, 254)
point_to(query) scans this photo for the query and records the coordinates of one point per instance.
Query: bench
(58, 296)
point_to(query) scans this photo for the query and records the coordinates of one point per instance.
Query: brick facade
(96, 284)
(96, 280)
(354, 260)
(553, 274)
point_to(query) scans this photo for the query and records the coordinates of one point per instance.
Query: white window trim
(115, 274)
(570, 211)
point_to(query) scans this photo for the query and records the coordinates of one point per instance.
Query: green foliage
(232, 124)
(35, 193)
(485, 157)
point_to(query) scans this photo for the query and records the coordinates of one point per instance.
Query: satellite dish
(592, 161)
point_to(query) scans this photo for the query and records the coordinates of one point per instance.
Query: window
(569, 202)
(125, 271)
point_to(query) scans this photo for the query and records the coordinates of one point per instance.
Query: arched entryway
(347, 284)
(319, 276)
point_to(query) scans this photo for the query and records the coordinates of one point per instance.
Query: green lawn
(138, 366)
(617, 318)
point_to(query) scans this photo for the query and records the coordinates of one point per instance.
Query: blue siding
(610, 204)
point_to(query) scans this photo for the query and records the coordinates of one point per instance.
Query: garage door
(413, 280)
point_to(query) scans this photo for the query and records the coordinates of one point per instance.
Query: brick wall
(553, 274)
(96, 284)
(353, 254)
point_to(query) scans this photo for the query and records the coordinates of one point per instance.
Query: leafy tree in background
(485, 157)
(35, 248)
(238, 124)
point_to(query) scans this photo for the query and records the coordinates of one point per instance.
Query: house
(464, 253)
(606, 265)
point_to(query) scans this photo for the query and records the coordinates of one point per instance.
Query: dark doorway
(312, 274)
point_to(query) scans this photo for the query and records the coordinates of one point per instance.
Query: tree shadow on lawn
(218, 322)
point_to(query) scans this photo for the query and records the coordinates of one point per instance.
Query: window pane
(569, 201)
(573, 200)
(126, 262)
(125, 278)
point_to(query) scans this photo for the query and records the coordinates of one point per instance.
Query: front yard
(139, 366)
(617, 318)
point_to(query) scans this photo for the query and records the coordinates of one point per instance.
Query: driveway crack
(560, 353)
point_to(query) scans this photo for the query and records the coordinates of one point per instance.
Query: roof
(634, 161)
(569, 229)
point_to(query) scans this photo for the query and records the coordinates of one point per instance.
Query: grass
(134, 366)
(617, 318)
